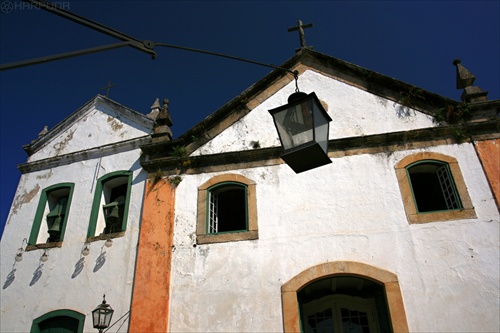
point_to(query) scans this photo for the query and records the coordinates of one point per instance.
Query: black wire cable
(151, 45)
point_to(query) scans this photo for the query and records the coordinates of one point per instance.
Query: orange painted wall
(489, 153)
(150, 298)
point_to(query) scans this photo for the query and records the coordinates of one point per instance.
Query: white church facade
(399, 232)
(212, 231)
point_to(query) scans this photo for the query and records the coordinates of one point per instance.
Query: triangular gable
(101, 121)
(343, 86)
(362, 104)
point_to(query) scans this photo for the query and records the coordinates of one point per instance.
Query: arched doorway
(343, 296)
(59, 321)
(343, 303)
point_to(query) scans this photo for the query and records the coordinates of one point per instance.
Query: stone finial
(155, 109)
(465, 80)
(164, 114)
(43, 132)
(163, 121)
(156, 104)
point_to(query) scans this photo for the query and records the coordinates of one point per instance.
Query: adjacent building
(72, 231)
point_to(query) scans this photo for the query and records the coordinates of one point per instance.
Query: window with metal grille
(227, 208)
(433, 186)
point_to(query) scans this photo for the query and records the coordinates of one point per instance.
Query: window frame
(413, 215)
(40, 214)
(202, 228)
(97, 207)
(394, 297)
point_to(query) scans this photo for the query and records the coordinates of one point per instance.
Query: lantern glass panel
(95, 318)
(295, 124)
(321, 124)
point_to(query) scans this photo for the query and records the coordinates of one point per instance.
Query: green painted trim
(207, 220)
(59, 313)
(96, 204)
(37, 221)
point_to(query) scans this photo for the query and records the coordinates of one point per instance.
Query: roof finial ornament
(163, 121)
(300, 27)
(155, 109)
(44, 131)
(465, 80)
(108, 87)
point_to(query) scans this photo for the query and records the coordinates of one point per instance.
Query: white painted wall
(354, 112)
(66, 282)
(350, 210)
(101, 124)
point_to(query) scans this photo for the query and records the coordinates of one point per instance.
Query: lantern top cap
(296, 96)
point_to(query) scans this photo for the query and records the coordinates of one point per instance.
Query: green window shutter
(448, 187)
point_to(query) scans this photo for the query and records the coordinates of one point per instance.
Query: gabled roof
(134, 118)
(306, 59)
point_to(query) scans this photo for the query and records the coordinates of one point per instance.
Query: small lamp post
(303, 126)
(101, 315)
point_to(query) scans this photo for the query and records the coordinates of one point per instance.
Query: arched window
(343, 296)
(227, 205)
(110, 207)
(227, 210)
(433, 188)
(59, 321)
(51, 217)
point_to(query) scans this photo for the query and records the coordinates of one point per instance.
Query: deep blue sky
(412, 41)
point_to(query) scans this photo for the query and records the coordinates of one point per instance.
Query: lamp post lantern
(101, 315)
(303, 126)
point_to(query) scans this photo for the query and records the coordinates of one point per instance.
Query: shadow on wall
(78, 267)
(36, 275)
(10, 278)
(99, 262)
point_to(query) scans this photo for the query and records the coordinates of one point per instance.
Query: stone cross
(300, 27)
(107, 87)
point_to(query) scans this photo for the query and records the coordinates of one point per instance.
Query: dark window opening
(433, 187)
(228, 209)
(57, 201)
(115, 205)
(343, 304)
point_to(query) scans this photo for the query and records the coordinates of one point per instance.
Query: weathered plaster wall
(98, 126)
(354, 112)
(350, 210)
(150, 302)
(489, 153)
(68, 280)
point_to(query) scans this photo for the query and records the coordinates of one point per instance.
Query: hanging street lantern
(101, 315)
(303, 126)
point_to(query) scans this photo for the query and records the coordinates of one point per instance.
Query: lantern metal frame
(101, 315)
(311, 149)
